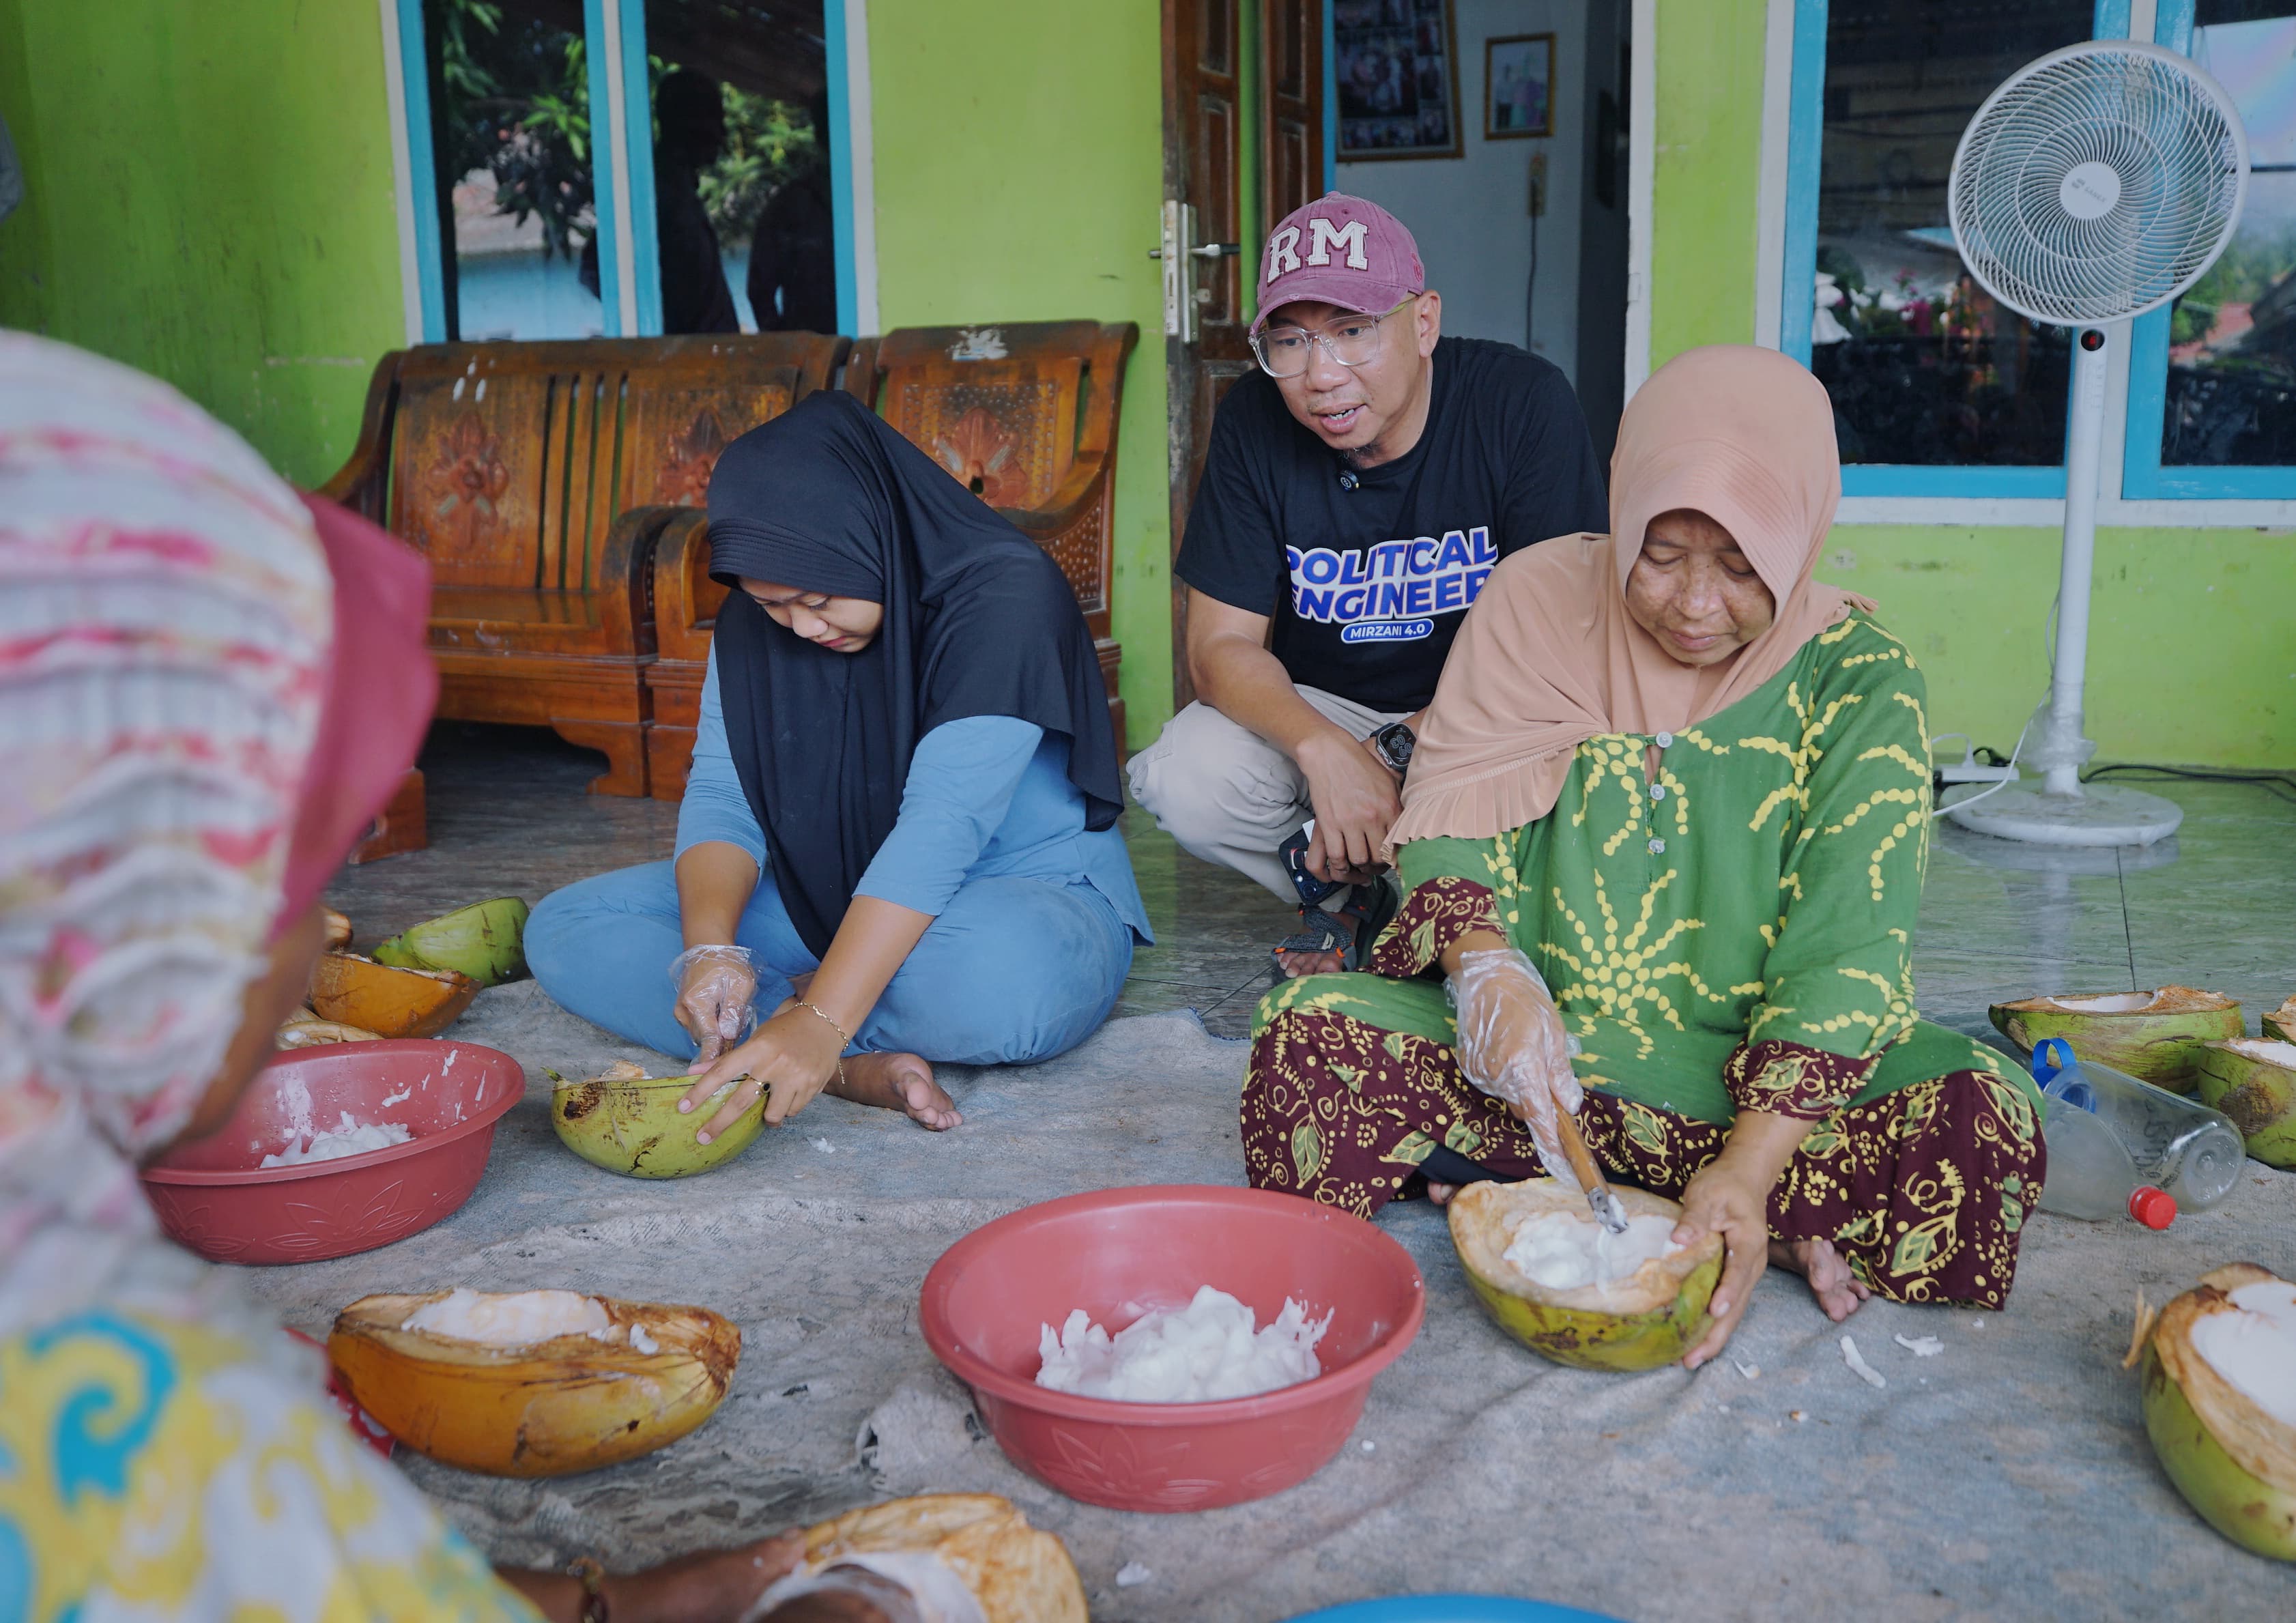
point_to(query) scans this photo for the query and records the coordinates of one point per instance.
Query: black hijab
(979, 621)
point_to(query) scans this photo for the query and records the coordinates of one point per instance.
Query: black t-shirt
(1367, 574)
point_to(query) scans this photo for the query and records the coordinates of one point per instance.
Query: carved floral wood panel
(999, 438)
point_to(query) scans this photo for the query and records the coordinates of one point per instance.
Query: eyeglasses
(1284, 352)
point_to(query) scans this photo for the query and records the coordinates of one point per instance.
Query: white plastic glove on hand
(715, 988)
(1511, 1045)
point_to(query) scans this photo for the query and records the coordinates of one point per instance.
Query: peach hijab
(1549, 657)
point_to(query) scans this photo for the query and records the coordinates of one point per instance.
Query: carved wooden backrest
(1009, 411)
(509, 461)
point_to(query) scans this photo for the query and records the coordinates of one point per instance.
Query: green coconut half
(2152, 1035)
(1649, 1317)
(2252, 1080)
(2233, 1461)
(486, 940)
(2281, 1024)
(629, 1123)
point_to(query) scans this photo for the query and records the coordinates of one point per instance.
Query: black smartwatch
(1394, 743)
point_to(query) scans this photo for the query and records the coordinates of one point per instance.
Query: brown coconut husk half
(305, 1029)
(355, 991)
(1019, 1574)
(568, 1404)
(2150, 1035)
(2233, 1461)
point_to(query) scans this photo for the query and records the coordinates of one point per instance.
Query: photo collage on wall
(1397, 75)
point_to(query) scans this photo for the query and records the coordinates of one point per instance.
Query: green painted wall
(1019, 174)
(2191, 655)
(209, 198)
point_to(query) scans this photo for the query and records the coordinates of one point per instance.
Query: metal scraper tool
(1600, 1200)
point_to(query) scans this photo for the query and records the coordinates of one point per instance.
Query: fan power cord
(2282, 785)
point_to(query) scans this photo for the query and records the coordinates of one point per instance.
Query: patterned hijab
(1549, 657)
(180, 648)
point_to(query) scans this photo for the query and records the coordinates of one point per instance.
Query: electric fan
(2097, 184)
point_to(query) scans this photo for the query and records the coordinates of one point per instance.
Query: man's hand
(1357, 801)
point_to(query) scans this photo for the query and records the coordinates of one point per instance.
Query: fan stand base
(2100, 815)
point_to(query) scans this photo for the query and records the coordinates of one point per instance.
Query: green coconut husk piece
(629, 1123)
(2152, 1035)
(2252, 1080)
(2280, 1025)
(1639, 1323)
(2234, 1463)
(485, 940)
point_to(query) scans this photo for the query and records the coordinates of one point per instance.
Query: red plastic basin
(1119, 1252)
(215, 1196)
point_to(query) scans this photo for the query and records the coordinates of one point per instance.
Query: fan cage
(2165, 127)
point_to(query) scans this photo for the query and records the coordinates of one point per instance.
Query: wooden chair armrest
(1081, 489)
(623, 579)
(685, 600)
(359, 483)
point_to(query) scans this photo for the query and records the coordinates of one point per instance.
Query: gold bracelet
(843, 1041)
(591, 1573)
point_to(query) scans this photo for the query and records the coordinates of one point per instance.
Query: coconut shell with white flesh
(2233, 1460)
(355, 991)
(305, 1029)
(629, 1123)
(2152, 1035)
(1649, 1317)
(2252, 1080)
(2280, 1025)
(569, 1403)
(337, 936)
(1019, 1574)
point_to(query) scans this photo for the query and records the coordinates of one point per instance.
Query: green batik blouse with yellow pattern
(1735, 932)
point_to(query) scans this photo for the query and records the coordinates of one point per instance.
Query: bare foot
(1839, 1292)
(1299, 963)
(897, 1082)
(1440, 1194)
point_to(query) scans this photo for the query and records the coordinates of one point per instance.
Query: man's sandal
(1349, 930)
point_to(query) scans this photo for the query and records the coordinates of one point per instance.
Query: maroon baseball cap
(1339, 249)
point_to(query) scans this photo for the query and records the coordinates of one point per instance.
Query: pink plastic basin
(215, 1195)
(1120, 1252)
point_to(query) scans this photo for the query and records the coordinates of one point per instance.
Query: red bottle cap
(2153, 1207)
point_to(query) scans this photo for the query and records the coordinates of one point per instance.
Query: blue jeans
(1014, 970)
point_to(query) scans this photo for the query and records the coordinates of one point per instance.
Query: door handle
(1213, 250)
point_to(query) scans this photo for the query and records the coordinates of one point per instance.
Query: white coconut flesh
(1564, 1252)
(519, 1318)
(2253, 1345)
(2280, 1054)
(1487, 1218)
(2166, 1000)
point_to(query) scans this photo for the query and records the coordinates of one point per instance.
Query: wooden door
(1209, 273)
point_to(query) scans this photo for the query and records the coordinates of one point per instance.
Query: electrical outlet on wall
(1538, 182)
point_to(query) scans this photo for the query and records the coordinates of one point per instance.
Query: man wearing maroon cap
(1357, 492)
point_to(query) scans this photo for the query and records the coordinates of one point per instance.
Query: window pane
(1923, 366)
(510, 99)
(2232, 338)
(740, 166)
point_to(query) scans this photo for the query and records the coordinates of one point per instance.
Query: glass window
(1923, 366)
(510, 138)
(2231, 391)
(743, 222)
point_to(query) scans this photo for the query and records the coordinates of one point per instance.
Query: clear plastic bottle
(2091, 1177)
(2194, 1152)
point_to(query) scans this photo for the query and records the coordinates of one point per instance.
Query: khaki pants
(1229, 796)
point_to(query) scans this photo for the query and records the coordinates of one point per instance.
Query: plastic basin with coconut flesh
(1452, 1608)
(215, 1195)
(1120, 1252)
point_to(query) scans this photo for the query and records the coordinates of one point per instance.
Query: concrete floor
(2206, 908)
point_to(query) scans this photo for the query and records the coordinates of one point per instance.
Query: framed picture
(1396, 69)
(1518, 86)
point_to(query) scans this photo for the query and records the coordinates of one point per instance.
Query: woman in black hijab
(898, 836)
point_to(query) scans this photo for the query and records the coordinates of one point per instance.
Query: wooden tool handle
(1575, 1151)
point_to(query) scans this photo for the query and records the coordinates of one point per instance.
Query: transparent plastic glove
(715, 988)
(1511, 1045)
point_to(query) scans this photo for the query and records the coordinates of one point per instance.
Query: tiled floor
(2211, 907)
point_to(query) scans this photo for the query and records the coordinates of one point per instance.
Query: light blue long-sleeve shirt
(986, 795)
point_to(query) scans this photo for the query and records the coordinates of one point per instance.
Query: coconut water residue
(1202, 1353)
(515, 1320)
(1563, 1251)
(347, 1137)
(2255, 1348)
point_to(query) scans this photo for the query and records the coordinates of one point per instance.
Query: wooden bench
(1024, 416)
(537, 476)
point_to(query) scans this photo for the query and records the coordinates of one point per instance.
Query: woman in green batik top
(1672, 805)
